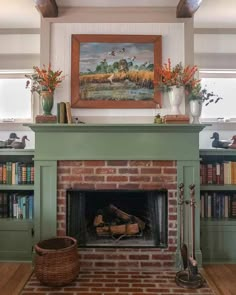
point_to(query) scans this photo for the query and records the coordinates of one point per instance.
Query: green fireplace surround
(55, 142)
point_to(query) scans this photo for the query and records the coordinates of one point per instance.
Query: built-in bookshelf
(218, 205)
(16, 173)
(16, 204)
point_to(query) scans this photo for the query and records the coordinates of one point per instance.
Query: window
(222, 83)
(15, 100)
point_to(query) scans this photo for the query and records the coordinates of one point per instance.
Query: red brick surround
(121, 174)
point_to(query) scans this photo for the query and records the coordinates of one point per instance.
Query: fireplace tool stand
(189, 277)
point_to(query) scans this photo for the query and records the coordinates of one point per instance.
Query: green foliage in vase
(201, 94)
(44, 79)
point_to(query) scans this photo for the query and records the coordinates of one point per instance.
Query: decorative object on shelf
(194, 91)
(3, 144)
(217, 143)
(198, 97)
(77, 121)
(56, 261)
(6, 144)
(176, 119)
(47, 102)
(19, 144)
(12, 138)
(175, 95)
(173, 81)
(158, 119)
(195, 110)
(233, 144)
(44, 81)
(46, 119)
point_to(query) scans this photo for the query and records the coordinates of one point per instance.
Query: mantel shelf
(117, 141)
(179, 128)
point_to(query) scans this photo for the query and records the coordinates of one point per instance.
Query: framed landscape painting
(115, 71)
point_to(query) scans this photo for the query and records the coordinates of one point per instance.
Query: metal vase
(175, 98)
(47, 102)
(195, 110)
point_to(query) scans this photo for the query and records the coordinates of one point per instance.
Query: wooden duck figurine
(11, 139)
(5, 144)
(233, 144)
(19, 144)
(217, 143)
(2, 144)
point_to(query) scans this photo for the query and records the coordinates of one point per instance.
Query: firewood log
(121, 214)
(98, 220)
(118, 229)
(126, 217)
(101, 230)
(132, 228)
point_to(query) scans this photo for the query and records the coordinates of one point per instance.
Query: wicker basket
(56, 261)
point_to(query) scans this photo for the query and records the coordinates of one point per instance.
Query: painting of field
(116, 71)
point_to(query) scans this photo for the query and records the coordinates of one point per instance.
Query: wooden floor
(13, 277)
(221, 277)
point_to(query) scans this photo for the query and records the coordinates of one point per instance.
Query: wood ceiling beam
(187, 8)
(47, 8)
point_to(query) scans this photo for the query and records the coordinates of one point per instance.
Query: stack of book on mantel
(176, 119)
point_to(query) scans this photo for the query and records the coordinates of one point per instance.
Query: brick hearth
(117, 174)
(119, 282)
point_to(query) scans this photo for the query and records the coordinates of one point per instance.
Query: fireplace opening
(117, 218)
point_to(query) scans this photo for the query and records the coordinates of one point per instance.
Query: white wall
(214, 50)
(19, 50)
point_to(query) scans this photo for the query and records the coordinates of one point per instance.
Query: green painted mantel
(116, 141)
(55, 142)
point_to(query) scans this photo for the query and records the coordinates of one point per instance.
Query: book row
(218, 205)
(218, 173)
(16, 205)
(16, 173)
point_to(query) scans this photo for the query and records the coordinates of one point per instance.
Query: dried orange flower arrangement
(178, 75)
(44, 79)
(184, 76)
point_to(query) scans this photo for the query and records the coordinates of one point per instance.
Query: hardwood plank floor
(221, 278)
(13, 277)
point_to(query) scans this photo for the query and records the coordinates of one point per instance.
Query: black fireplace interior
(117, 218)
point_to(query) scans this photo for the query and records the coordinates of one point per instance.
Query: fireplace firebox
(117, 218)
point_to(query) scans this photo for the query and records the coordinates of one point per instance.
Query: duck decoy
(11, 139)
(6, 144)
(19, 144)
(233, 144)
(217, 143)
(3, 144)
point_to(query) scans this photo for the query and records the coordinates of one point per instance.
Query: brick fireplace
(120, 175)
(115, 156)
